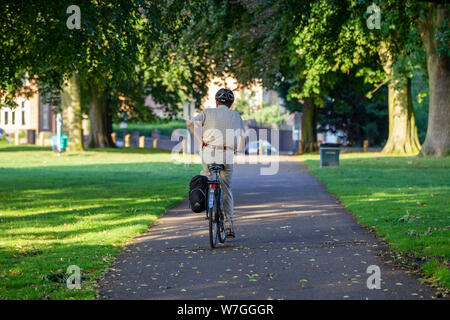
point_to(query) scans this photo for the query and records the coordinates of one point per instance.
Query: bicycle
(214, 207)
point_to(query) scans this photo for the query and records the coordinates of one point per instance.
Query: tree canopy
(125, 50)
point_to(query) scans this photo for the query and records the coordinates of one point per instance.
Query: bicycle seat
(216, 167)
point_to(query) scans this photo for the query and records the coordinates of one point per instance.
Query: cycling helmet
(225, 96)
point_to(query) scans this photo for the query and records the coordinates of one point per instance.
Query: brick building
(31, 114)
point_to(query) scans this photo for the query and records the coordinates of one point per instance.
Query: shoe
(230, 233)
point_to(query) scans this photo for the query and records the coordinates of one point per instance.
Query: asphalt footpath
(294, 240)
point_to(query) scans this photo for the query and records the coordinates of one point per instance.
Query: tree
(117, 36)
(31, 45)
(112, 54)
(102, 52)
(252, 41)
(336, 38)
(435, 33)
(309, 125)
(404, 19)
(312, 70)
(269, 114)
(403, 137)
(72, 113)
(347, 109)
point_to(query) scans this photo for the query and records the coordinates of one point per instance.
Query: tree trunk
(403, 138)
(437, 140)
(71, 111)
(309, 126)
(99, 133)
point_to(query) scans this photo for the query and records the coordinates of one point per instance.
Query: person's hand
(190, 125)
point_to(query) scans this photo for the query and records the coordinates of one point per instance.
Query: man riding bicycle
(222, 135)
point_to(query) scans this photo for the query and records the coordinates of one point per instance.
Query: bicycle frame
(213, 187)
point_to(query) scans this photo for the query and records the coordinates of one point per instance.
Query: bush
(267, 115)
(145, 129)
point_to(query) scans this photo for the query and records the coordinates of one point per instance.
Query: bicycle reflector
(213, 186)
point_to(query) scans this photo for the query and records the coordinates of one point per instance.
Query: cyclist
(221, 136)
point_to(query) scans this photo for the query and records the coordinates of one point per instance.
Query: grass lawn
(76, 209)
(406, 199)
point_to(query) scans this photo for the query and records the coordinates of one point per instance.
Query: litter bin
(63, 143)
(329, 155)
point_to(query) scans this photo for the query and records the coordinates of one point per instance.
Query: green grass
(77, 209)
(406, 199)
(145, 129)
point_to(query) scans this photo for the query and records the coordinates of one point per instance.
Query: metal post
(366, 145)
(58, 132)
(141, 141)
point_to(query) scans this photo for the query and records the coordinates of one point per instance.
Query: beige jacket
(221, 127)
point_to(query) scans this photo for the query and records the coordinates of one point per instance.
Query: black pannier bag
(197, 193)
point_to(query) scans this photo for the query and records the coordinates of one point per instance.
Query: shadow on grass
(31, 268)
(12, 148)
(90, 189)
(135, 150)
(56, 216)
(132, 150)
(404, 198)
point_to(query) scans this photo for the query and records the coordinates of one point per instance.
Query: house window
(6, 117)
(25, 112)
(13, 117)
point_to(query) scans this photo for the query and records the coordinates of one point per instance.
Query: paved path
(294, 241)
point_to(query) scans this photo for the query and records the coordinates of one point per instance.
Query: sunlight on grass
(78, 209)
(404, 198)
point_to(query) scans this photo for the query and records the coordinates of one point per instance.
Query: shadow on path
(294, 241)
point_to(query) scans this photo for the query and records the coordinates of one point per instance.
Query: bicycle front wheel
(221, 231)
(220, 220)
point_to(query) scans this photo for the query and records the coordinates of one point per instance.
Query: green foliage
(103, 47)
(443, 36)
(266, 115)
(249, 38)
(348, 109)
(243, 107)
(145, 129)
(269, 114)
(335, 38)
(244, 104)
(129, 48)
(309, 49)
(420, 101)
(290, 104)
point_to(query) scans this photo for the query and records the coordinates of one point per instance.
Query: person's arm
(241, 142)
(191, 127)
(198, 119)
